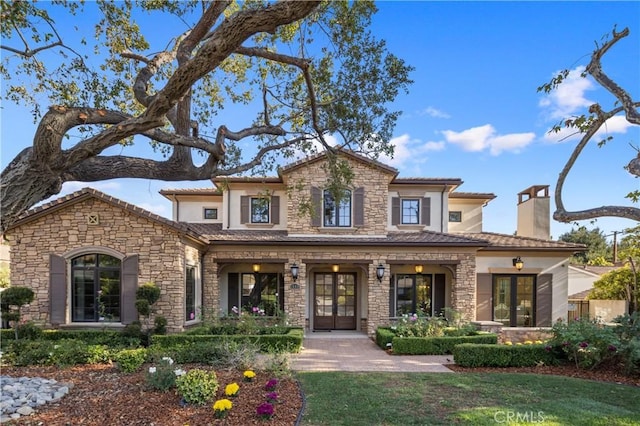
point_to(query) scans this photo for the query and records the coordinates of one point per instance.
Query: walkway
(349, 351)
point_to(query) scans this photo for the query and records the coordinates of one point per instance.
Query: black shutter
(234, 291)
(244, 209)
(484, 296)
(544, 299)
(57, 289)
(426, 211)
(439, 285)
(316, 201)
(275, 210)
(395, 210)
(358, 207)
(128, 287)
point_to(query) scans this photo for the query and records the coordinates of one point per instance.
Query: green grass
(385, 399)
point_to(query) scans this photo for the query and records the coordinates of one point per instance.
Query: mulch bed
(101, 395)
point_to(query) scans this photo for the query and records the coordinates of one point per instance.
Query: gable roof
(88, 193)
(347, 153)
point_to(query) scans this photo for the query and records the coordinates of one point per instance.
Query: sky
(473, 111)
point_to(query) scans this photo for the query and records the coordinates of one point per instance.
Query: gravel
(21, 396)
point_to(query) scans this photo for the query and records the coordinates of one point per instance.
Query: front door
(334, 301)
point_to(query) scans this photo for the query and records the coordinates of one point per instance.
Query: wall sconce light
(380, 272)
(518, 263)
(419, 269)
(294, 271)
(256, 267)
(335, 268)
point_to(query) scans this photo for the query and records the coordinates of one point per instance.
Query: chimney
(534, 213)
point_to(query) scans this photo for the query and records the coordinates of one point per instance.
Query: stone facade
(69, 232)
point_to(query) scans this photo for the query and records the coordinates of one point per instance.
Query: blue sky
(473, 112)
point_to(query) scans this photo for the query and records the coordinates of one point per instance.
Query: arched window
(95, 288)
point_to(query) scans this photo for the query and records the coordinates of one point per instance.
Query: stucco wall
(471, 216)
(161, 253)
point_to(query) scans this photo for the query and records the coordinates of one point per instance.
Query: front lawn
(353, 399)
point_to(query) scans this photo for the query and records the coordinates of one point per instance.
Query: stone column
(378, 299)
(294, 294)
(210, 288)
(463, 294)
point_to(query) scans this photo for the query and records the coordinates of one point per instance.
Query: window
(190, 293)
(410, 211)
(259, 210)
(262, 290)
(455, 216)
(513, 300)
(413, 294)
(210, 213)
(95, 288)
(337, 214)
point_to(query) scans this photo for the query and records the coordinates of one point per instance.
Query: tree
(588, 125)
(619, 284)
(11, 303)
(302, 70)
(597, 246)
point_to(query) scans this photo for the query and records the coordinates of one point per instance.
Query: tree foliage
(619, 284)
(224, 88)
(596, 242)
(588, 125)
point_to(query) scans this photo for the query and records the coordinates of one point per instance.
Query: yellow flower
(249, 375)
(528, 342)
(518, 344)
(539, 342)
(231, 389)
(508, 343)
(222, 405)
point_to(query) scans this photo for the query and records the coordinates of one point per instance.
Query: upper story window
(210, 213)
(337, 213)
(410, 211)
(455, 216)
(259, 210)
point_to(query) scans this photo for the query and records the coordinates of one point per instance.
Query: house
(389, 246)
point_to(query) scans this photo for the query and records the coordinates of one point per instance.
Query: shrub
(11, 303)
(437, 345)
(197, 386)
(98, 354)
(61, 353)
(163, 376)
(130, 360)
(419, 326)
(628, 331)
(585, 342)
(481, 355)
(28, 330)
(160, 325)
(384, 337)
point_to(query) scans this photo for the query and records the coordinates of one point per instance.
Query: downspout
(177, 209)
(444, 188)
(228, 207)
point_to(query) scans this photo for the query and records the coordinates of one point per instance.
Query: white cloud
(434, 112)
(406, 149)
(568, 98)
(485, 137)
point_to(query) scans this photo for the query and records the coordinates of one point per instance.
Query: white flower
(169, 360)
(152, 370)
(179, 372)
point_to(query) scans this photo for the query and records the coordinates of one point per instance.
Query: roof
(582, 295)
(473, 195)
(348, 153)
(510, 242)
(593, 270)
(427, 181)
(192, 191)
(87, 193)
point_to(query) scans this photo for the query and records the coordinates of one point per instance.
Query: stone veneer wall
(374, 181)
(160, 249)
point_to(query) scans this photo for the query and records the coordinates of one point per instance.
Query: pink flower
(192, 315)
(583, 344)
(265, 410)
(271, 384)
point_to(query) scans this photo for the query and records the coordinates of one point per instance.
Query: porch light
(294, 271)
(380, 272)
(518, 263)
(256, 267)
(418, 269)
(335, 268)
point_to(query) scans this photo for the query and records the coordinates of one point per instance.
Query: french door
(514, 300)
(334, 301)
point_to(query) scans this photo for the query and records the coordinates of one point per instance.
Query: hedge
(290, 341)
(479, 355)
(110, 338)
(384, 337)
(437, 345)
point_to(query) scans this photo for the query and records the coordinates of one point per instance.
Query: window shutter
(128, 287)
(244, 209)
(484, 297)
(426, 211)
(439, 294)
(316, 201)
(358, 207)
(392, 296)
(544, 299)
(234, 290)
(395, 210)
(57, 289)
(275, 210)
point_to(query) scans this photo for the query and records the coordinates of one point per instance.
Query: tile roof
(473, 195)
(426, 180)
(348, 153)
(191, 191)
(509, 242)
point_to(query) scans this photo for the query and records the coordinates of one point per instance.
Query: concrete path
(336, 351)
